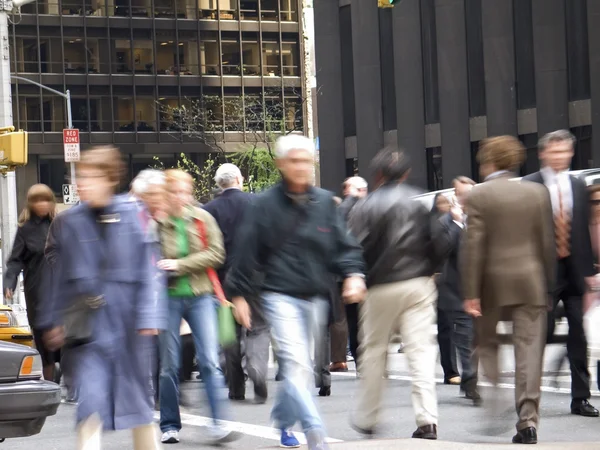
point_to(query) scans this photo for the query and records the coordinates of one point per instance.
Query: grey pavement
(461, 425)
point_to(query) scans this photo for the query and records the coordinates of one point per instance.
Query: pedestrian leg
(146, 438)
(89, 434)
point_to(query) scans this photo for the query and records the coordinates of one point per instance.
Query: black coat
(450, 297)
(581, 261)
(228, 209)
(28, 256)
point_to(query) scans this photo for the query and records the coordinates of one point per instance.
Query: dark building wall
(463, 70)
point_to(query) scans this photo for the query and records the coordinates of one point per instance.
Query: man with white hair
(295, 235)
(228, 209)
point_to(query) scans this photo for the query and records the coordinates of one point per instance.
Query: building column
(453, 81)
(550, 56)
(367, 82)
(330, 117)
(408, 74)
(593, 13)
(499, 60)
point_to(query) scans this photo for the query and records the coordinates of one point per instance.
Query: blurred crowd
(120, 285)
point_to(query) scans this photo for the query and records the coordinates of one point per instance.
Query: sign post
(72, 148)
(70, 195)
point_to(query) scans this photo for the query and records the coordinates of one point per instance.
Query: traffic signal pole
(8, 181)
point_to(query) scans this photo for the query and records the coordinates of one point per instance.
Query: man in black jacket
(294, 233)
(228, 209)
(570, 205)
(455, 332)
(402, 247)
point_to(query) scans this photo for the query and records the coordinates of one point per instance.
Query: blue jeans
(201, 315)
(293, 324)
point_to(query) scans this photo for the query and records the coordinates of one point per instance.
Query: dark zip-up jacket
(296, 245)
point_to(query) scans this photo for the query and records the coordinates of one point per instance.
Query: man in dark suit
(455, 331)
(575, 265)
(508, 268)
(228, 209)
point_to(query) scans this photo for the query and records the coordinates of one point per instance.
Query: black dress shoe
(525, 436)
(238, 398)
(260, 393)
(426, 432)
(325, 391)
(583, 408)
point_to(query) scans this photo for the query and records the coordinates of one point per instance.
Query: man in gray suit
(508, 269)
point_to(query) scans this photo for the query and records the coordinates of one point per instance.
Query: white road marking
(352, 374)
(244, 428)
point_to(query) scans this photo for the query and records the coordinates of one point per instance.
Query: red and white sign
(71, 143)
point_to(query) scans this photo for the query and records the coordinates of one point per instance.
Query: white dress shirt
(555, 181)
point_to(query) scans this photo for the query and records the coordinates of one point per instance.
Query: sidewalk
(418, 444)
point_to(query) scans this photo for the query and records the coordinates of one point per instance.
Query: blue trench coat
(112, 373)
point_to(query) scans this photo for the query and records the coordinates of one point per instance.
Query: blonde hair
(503, 152)
(37, 193)
(177, 175)
(107, 159)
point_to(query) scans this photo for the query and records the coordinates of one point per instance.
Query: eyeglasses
(595, 202)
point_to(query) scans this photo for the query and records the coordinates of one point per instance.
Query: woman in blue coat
(100, 252)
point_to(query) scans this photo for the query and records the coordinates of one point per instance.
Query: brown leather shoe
(426, 432)
(338, 367)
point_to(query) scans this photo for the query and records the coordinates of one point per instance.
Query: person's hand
(8, 293)
(241, 312)
(148, 332)
(354, 290)
(457, 214)
(473, 307)
(168, 264)
(593, 283)
(55, 338)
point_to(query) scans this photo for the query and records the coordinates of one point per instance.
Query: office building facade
(436, 76)
(129, 63)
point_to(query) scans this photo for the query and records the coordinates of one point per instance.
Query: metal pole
(8, 183)
(70, 125)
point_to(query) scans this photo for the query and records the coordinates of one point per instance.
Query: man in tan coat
(508, 265)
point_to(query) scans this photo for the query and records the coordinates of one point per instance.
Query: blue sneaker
(288, 440)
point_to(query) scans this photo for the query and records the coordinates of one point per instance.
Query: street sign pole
(8, 183)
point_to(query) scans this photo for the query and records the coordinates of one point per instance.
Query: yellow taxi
(10, 331)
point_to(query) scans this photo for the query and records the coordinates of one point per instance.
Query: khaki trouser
(89, 436)
(408, 305)
(529, 340)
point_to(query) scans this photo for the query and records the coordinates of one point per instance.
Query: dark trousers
(352, 319)
(446, 341)
(576, 341)
(254, 345)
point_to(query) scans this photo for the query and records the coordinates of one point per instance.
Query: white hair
(359, 182)
(227, 174)
(286, 144)
(145, 179)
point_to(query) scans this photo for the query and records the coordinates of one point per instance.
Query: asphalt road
(460, 422)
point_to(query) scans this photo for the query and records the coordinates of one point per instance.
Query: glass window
(291, 59)
(209, 58)
(288, 11)
(268, 9)
(274, 112)
(80, 56)
(54, 172)
(142, 162)
(124, 114)
(253, 110)
(164, 8)
(234, 113)
(211, 111)
(104, 112)
(143, 56)
(231, 57)
(122, 56)
(48, 53)
(169, 114)
(27, 60)
(251, 58)
(30, 113)
(173, 58)
(53, 113)
(74, 7)
(227, 9)
(166, 57)
(271, 62)
(249, 9)
(293, 114)
(85, 118)
(145, 113)
(141, 8)
(50, 7)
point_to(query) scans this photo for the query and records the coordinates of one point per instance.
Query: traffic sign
(70, 194)
(71, 143)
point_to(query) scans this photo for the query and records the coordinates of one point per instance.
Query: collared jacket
(399, 239)
(200, 258)
(296, 245)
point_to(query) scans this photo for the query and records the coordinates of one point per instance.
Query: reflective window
(124, 114)
(268, 9)
(231, 57)
(54, 172)
(122, 62)
(169, 114)
(271, 61)
(291, 59)
(249, 9)
(288, 11)
(251, 58)
(143, 56)
(80, 56)
(213, 9)
(209, 58)
(145, 113)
